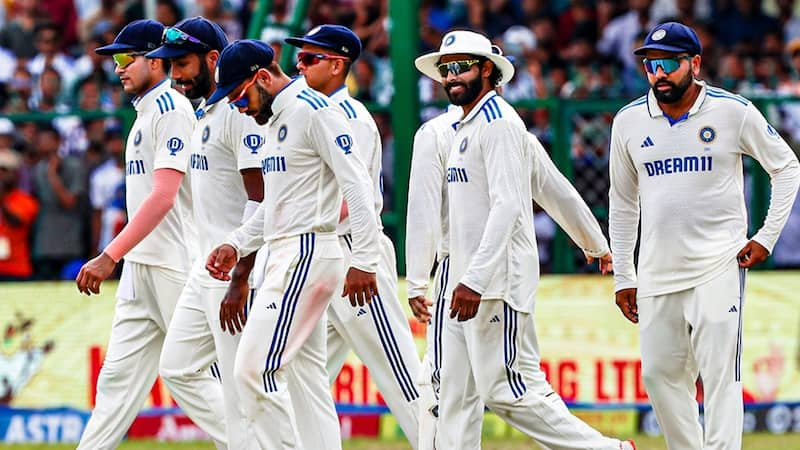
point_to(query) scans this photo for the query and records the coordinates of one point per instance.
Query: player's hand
(605, 263)
(465, 303)
(626, 300)
(93, 273)
(220, 262)
(751, 254)
(231, 309)
(359, 286)
(419, 307)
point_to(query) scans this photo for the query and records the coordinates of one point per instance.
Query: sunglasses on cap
(311, 58)
(456, 67)
(241, 101)
(123, 60)
(668, 65)
(174, 36)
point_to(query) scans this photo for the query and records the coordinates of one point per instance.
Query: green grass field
(751, 442)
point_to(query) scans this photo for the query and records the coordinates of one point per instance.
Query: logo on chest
(206, 134)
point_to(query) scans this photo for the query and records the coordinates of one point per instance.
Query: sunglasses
(123, 60)
(241, 101)
(310, 58)
(668, 65)
(174, 36)
(456, 67)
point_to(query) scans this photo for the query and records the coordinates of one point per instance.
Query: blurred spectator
(619, 35)
(215, 11)
(20, 91)
(577, 21)
(49, 54)
(26, 145)
(493, 17)
(64, 15)
(8, 138)
(168, 12)
(18, 34)
(47, 98)
(60, 185)
(109, 14)
(93, 66)
(790, 24)
(18, 211)
(743, 25)
(107, 193)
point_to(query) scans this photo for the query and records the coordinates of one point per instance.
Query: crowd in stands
(69, 169)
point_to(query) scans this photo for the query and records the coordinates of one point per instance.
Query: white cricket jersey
(426, 220)
(159, 139)
(686, 176)
(309, 163)
(224, 142)
(368, 138)
(492, 242)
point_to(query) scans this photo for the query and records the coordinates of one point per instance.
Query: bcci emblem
(137, 138)
(282, 133)
(707, 135)
(345, 143)
(253, 142)
(206, 134)
(463, 147)
(449, 40)
(174, 145)
(659, 35)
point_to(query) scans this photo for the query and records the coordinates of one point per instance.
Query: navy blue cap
(334, 37)
(208, 33)
(671, 37)
(138, 36)
(238, 62)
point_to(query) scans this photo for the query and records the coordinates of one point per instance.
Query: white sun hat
(469, 43)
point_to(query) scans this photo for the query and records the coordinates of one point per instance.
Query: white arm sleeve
(623, 216)
(249, 237)
(762, 142)
(502, 147)
(562, 202)
(423, 229)
(329, 126)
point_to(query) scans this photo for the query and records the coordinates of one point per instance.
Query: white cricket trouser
(146, 300)
(379, 335)
(280, 363)
(495, 354)
(194, 342)
(681, 333)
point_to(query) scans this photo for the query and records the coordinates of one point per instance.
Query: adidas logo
(647, 142)
(361, 312)
(272, 306)
(733, 309)
(495, 319)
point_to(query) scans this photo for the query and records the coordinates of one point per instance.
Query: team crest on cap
(313, 31)
(137, 138)
(216, 75)
(253, 142)
(174, 145)
(282, 133)
(659, 35)
(206, 134)
(345, 142)
(463, 147)
(707, 135)
(449, 40)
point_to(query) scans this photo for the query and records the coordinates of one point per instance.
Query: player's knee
(654, 373)
(245, 372)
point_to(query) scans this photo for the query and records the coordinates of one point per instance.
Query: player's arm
(502, 146)
(331, 135)
(243, 135)
(623, 220)
(169, 167)
(422, 221)
(556, 195)
(370, 148)
(762, 142)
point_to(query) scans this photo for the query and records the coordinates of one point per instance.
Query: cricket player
(153, 244)
(378, 333)
(676, 166)
(493, 260)
(227, 187)
(310, 160)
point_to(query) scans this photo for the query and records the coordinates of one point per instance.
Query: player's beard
(200, 86)
(471, 91)
(675, 92)
(265, 106)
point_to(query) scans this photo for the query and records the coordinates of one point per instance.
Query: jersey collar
(139, 103)
(287, 94)
(340, 95)
(655, 110)
(203, 109)
(489, 95)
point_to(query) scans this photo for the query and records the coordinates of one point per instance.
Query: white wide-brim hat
(469, 43)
